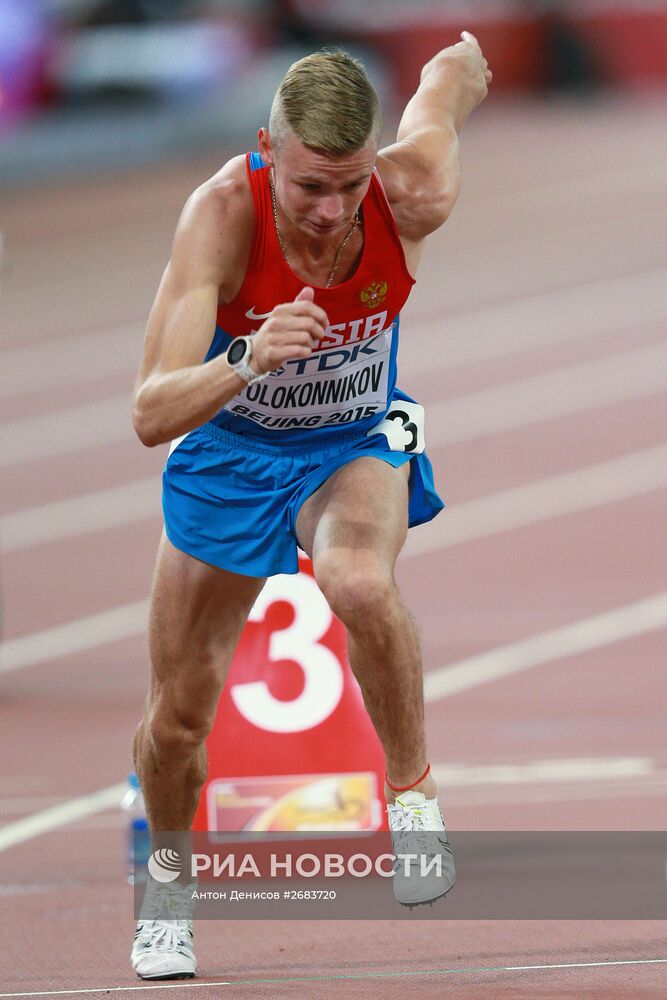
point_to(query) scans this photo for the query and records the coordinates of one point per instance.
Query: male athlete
(287, 275)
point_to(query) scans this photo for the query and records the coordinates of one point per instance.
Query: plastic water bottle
(138, 834)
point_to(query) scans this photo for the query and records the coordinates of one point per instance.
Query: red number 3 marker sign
(292, 746)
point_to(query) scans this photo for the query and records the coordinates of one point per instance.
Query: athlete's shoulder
(214, 232)
(224, 197)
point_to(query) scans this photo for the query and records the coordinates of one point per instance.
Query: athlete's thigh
(363, 505)
(197, 612)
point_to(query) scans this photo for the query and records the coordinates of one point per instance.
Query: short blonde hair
(329, 103)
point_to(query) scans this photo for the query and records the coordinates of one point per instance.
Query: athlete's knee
(180, 709)
(357, 585)
(176, 731)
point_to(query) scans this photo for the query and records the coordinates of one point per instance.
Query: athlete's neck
(323, 258)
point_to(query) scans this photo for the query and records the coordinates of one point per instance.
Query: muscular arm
(174, 392)
(420, 171)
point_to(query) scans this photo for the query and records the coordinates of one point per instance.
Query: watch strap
(243, 368)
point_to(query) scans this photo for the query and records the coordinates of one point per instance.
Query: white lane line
(564, 391)
(63, 431)
(591, 633)
(618, 479)
(79, 515)
(559, 393)
(115, 989)
(57, 816)
(589, 310)
(74, 637)
(586, 965)
(544, 771)
(516, 795)
(362, 977)
(556, 496)
(596, 632)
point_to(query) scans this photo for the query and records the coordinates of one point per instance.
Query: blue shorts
(232, 501)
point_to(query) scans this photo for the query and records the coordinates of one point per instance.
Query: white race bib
(403, 427)
(337, 385)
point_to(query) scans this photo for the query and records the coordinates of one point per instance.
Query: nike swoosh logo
(251, 314)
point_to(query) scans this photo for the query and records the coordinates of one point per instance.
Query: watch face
(237, 351)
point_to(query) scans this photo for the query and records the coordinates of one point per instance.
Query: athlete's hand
(478, 63)
(291, 331)
(467, 74)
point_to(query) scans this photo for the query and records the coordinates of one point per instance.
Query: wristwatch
(238, 357)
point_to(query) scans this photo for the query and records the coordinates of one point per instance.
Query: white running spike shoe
(163, 942)
(417, 828)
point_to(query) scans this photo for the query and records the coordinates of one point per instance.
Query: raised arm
(420, 171)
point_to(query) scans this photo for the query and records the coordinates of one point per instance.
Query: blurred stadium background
(536, 338)
(91, 85)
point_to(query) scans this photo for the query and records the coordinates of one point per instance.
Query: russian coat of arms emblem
(374, 294)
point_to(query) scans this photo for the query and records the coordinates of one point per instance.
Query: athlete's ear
(265, 146)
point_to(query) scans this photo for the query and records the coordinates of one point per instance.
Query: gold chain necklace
(345, 240)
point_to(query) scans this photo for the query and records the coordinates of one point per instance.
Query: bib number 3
(403, 427)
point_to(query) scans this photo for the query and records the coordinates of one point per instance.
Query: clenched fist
(467, 74)
(292, 330)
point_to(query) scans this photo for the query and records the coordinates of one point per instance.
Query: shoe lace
(165, 935)
(410, 818)
(410, 827)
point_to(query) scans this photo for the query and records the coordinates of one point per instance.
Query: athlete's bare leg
(197, 615)
(353, 528)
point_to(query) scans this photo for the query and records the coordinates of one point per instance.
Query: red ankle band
(407, 787)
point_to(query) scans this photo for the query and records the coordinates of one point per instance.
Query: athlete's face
(319, 194)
